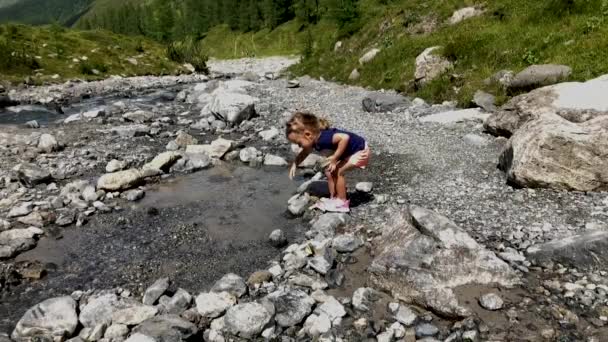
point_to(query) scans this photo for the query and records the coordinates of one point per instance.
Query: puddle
(207, 224)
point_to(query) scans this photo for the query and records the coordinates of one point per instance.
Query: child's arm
(299, 159)
(341, 140)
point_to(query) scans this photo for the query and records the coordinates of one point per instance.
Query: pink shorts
(361, 158)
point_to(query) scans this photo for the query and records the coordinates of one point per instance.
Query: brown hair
(304, 120)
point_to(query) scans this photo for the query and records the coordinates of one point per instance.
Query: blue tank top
(325, 142)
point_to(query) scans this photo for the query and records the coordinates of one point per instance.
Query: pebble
(491, 301)
(277, 238)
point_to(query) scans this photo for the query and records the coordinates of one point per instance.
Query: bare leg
(341, 180)
(331, 181)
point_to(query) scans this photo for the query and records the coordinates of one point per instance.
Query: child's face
(304, 139)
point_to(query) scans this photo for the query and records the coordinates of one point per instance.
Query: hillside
(51, 54)
(38, 12)
(506, 35)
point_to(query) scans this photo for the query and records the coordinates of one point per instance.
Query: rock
(214, 304)
(365, 187)
(232, 284)
(574, 101)
(140, 338)
(291, 307)
(491, 301)
(584, 250)
(167, 328)
(469, 336)
(485, 100)
(406, 316)
(231, 106)
(201, 125)
(72, 118)
(139, 116)
(155, 291)
(354, 75)
(422, 256)
(53, 317)
(99, 309)
(298, 204)
(94, 113)
(269, 134)
(133, 196)
(455, 116)
(363, 298)
(31, 175)
(325, 225)
(116, 331)
(24, 208)
(426, 330)
(163, 161)
(247, 320)
(134, 315)
(552, 152)
(337, 46)
(430, 66)
(540, 75)
(464, 14)
(272, 160)
(121, 180)
(184, 139)
(293, 84)
(368, 56)
(277, 238)
(130, 131)
(475, 140)
(331, 308)
(191, 163)
(306, 281)
(317, 325)
(346, 243)
(6, 101)
(36, 219)
(93, 334)
(319, 264)
(89, 194)
(48, 143)
(249, 154)
(217, 149)
(32, 124)
(259, 277)
(384, 102)
(115, 165)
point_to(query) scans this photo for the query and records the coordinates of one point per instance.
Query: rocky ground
(439, 249)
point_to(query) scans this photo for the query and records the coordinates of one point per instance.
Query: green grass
(511, 34)
(38, 53)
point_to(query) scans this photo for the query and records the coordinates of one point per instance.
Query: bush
(188, 51)
(14, 59)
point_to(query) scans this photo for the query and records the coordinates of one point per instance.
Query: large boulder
(231, 106)
(422, 257)
(552, 152)
(430, 65)
(121, 180)
(540, 75)
(380, 103)
(55, 317)
(575, 101)
(581, 251)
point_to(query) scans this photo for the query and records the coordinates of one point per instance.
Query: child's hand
(292, 171)
(333, 164)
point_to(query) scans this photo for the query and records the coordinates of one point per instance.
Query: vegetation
(38, 12)
(40, 53)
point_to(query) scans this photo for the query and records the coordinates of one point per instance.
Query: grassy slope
(512, 34)
(56, 47)
(39, 12)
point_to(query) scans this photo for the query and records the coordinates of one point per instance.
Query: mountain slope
(38, 12)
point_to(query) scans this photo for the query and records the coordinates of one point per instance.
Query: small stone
(363, 298)
(21, 210)
(298, 204)
(133, 195)
(247, 320)
(346, 243)
(269, 134)
(319, 264)
(259, 277)
(426, 330)
(115, 165)
(232, 284)
(469, 336)
(277, 238)
(365, 187)
(406, 316)
(491, 301)
(155, 291)
(134, 315)
(272, 160)
(116, 331)
(32, 124)
(47, 143)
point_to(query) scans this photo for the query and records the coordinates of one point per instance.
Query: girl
(348, 151)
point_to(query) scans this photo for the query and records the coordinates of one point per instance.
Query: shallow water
(208, 224)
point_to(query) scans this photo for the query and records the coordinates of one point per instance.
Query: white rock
(116, 331)
(272, 160)
(368, 56)
(491, 301)
(430, 66)
(115, 165)
(214, 304)
(269, 134)
(55, 316)
(247, 320)
(134, 315)
(463, 14)
(24, 208)
(137, 337)
(47, 143)
(155, 291)
(364, 187)
(455, 116)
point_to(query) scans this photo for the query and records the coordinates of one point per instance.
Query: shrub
(188, 51)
